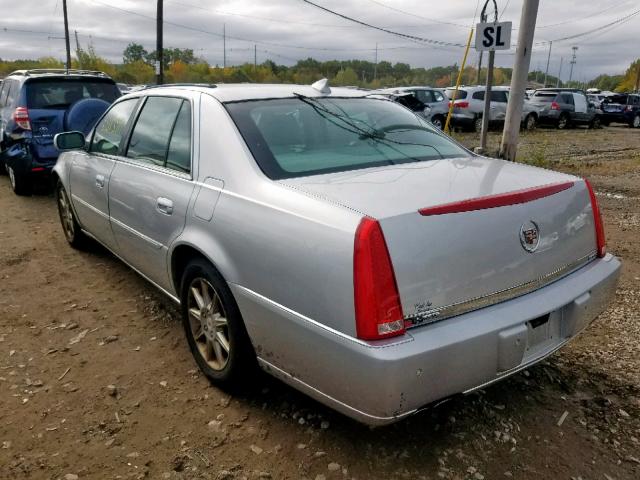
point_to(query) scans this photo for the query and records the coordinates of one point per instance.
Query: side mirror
(69, 141)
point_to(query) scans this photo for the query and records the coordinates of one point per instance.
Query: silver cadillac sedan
(337, 241)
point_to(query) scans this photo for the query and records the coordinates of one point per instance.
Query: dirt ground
(97, 382)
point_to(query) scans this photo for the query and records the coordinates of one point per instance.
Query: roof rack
(185, 84)
(58, 71)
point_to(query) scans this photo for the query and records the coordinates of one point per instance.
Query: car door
(499, 101)
(91, 171)
(151, 186)
(581, 106)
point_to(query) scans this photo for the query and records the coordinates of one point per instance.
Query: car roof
(227, 92)
(58, 73)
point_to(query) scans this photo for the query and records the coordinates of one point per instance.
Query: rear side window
(59, 94)
(425, 96)
(461, 95)
(438, 96)
(109, 132)
(499, 96)
(162, 134)
(3, 92)
(12, 93)
(567, 98)
(478, 96)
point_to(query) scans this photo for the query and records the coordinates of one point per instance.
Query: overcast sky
(288, 30)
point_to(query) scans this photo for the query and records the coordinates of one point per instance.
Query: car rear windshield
(59, 94)
(544, 96)
(461, 95)
(304, 136)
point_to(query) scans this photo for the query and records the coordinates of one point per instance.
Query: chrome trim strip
(90, 207)
(154, 244)
(428, 317)
(390, 343)
(312, 391)
(166, 292)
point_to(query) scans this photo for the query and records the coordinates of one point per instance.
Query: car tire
(596, 123)
(20, 183)
(70, 226)
(477, 125)
(636, 122)
(438, 122)
(215, 331)
(563, 122)
(531, 122)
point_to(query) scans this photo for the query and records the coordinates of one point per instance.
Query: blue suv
(35, 105)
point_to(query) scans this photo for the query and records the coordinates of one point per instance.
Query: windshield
(304, 136)
(59, 94)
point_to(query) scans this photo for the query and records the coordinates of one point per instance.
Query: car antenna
(322, 86)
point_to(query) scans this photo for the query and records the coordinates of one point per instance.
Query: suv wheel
(530, 122)
(20, 183)
(595, 123)
(215, 331)
(563, 122)
(636, 121)
(477, 125)
(70, 227)
(438, 122)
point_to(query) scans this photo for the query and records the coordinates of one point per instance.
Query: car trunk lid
(451, 260)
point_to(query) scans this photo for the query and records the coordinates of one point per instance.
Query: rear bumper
(378, 383)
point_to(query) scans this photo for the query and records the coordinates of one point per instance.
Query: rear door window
(478, 96)
(499, 96)
(460, 95)
(111, 129)
(150, 138)
(425, 96)
(12, 93)
(179, 156)
(3, 92)
(438, 96)
(567, 98)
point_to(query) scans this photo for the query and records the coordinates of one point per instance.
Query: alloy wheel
(636, 121)
(208, 322)
(66, 215)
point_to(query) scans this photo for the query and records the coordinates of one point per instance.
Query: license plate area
(543, 333)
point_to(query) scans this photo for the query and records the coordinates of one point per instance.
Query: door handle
(100, 181)
(164, 205)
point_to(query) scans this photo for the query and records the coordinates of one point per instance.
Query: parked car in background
(339, 241)
(123, 88)
(37, 104)
(434, 99)
(468, 108)
(622, 108)
(565, 107)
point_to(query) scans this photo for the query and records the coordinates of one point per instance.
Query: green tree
(346, 77)
(134, 53)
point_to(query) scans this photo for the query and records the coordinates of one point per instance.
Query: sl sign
(493, 36)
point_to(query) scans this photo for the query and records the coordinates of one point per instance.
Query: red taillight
(461, 104)
(597, 220)
(377, 301)
(555, 106)
(21, 117)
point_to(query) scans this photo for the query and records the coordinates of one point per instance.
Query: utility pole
(509, 147)
(66, 34)
(159, 47)
(546, 72)
(375, 66)
(560, 73)
(224, 45)
(573, 62)
(255, 58)
(78, 49)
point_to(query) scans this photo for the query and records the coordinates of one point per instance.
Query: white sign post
(493, 36)
(490, 37)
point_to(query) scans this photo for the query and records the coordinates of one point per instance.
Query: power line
(574, 20)
(433, 20)
(391, 32)
(617, 22)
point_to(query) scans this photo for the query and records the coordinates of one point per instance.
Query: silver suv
(469, 107)
(435, 101)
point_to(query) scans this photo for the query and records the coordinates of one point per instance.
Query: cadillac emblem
(530, 236)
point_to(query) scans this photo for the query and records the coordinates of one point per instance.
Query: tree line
(182, 65)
